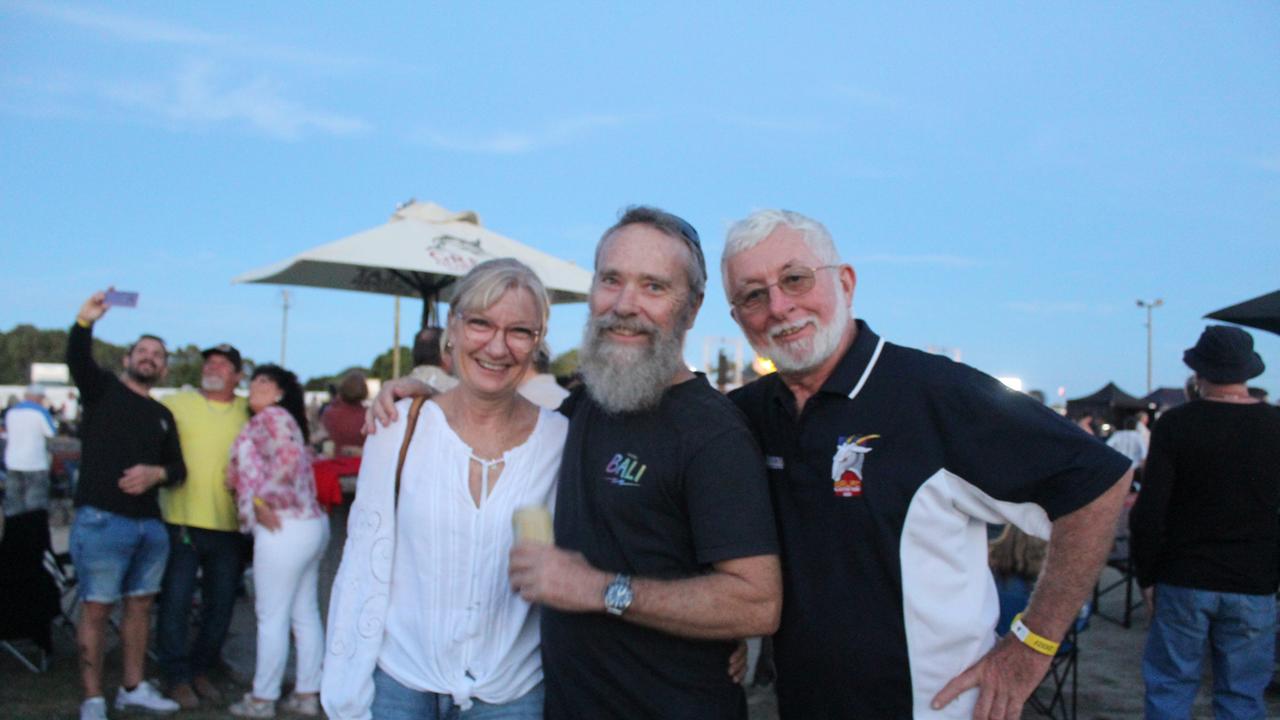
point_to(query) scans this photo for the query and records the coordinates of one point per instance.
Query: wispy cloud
(1060, 307)
(778, 124)
(953, 261)
(1269, 163)
(866, 98)
(141, 30)
(515, 142)
(194, 96)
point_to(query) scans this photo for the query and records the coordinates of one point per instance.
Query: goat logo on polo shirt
(846, 465)
(625, 470)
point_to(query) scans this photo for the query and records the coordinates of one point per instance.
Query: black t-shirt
(882, 488)
(661, 494)
(1207, 514)
(120, 429)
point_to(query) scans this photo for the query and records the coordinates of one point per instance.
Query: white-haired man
(26, 454)
(885, 466)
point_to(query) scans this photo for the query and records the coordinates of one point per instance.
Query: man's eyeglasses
(518, 338)
(793, 281)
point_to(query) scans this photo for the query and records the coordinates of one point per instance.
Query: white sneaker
(94, 709)
(308, 705)
(145, 697)
(250, 707)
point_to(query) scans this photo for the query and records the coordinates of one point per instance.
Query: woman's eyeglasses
(518, 338)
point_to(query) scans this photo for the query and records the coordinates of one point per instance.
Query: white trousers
(286, 567)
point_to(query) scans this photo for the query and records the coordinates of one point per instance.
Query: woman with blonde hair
(422, 621)
(1015, 559)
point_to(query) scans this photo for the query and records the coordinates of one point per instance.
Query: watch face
(617, 596)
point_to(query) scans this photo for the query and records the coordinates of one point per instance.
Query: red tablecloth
(328, 474)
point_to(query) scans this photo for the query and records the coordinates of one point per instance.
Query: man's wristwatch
(618, 595)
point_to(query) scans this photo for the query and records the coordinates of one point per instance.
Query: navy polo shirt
(882, 488)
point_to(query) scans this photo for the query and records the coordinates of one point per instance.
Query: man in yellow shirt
(204, 534)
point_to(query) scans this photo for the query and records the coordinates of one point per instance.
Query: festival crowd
(840, 506)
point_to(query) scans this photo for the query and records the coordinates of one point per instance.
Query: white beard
(796, 358)
(212, 383)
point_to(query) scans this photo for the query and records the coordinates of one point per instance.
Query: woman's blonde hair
(1016, 553)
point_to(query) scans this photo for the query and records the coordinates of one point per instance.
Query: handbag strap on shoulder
(414, 409)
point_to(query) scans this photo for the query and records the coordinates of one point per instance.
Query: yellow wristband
(83, 323)
(1040, 644)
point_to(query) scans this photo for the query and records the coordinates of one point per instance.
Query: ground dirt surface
(1110, 673)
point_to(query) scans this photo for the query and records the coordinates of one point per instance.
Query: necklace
(1237, 398)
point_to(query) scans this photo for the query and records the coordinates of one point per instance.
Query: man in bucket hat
(1205, 539)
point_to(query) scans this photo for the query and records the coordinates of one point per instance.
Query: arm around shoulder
(175, 468)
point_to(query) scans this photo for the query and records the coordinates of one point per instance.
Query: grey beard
(624, 379)
(212, 383)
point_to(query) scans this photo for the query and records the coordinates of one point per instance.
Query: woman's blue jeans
(393, 701)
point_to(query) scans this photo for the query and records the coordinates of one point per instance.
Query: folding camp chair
(59, 567)
(1119, 561)
(28, 597)
(63, 572)
(1056, 696)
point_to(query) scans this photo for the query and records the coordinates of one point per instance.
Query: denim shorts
(116, 555)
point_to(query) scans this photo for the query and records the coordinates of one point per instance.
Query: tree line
(26, 344)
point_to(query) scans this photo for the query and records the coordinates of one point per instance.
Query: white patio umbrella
(419, 252)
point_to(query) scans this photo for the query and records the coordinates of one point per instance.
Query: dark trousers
(216, 555)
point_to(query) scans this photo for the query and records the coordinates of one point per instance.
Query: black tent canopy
(1109, 404)
(1262, 312)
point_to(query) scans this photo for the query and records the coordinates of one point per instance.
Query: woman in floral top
(270, 474)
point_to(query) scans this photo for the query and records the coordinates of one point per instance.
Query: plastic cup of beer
(532, 523)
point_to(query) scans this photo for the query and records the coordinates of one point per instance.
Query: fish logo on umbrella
(846, 465)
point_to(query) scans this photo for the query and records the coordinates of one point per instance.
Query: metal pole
(1149, 306)
(395, 343)
(284, 323)
(1148, 349)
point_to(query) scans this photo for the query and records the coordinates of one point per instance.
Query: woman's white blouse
(434, 609)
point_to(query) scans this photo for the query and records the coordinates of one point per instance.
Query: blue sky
(1007, 179)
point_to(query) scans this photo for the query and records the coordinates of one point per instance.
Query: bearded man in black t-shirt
(665, 549)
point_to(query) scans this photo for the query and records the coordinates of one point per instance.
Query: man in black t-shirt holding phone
(118, 542)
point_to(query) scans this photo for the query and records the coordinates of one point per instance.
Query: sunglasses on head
(690, 236)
